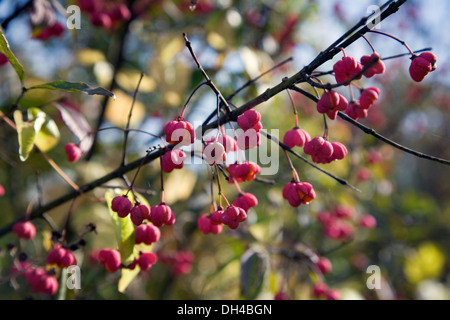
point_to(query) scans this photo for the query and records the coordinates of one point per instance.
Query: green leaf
(74, 87)
(253, 270)
(48, 135)
(27, 132)
(6, 50)
(127, 277)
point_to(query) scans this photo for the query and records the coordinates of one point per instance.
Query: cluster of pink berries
(61, 257)
(54, 30)
(39, 279)
(180, 262)
(339, 224)
(321, 291)
(105, 14)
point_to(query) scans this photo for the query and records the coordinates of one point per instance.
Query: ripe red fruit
(320, 290)
(339, 151)
(110, 259)
(246, 171)
(296, 137)
(246, 201)
(324, 265)
(281, 295)
(368, 222)
(146, 260)
(355, 111)
(61, 257)
(333, 294)
(120, 13)
(228, 142)
(205, 225)
(101, 19)
(319, 149)
(173, 159)
(330, 103)
(249, 139)
(73, 152)
(161, 215)
(216, 216)
(24, 230)
(344, 212)
(232, 216)
(347, 68)
(368, 97)
(378, 68)
(214, 153)
(179, 131)
(422, 65)
(250, 119)
(41, 282)
(297, 193)
(139, 213)
(122, 205)
(146, 233)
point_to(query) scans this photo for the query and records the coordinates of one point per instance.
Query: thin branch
(287, 149)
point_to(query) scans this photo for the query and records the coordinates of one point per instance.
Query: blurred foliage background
(236, 41)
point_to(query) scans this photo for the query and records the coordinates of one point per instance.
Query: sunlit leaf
(74, 87)
(5, 49)
(253, 270)
(48, 135)
(78, 125)
(27, 132)
(425, 263)
(117, 110)
(127, 276)
(179, 185)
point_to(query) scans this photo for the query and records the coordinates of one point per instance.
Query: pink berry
(173, 159)
(246, 201)
(122, 205)
(339, 151)
(320, 290)
(368, 222)
(297, 193)
(243, 172)
(355, 111)
(324, 265)
(47, 285)
(102, 20)
(344, 212)
(61, 257)
(347, 68)
(378, 68)
(422, 65)
(73, 152)
(228, 142)
(146, 260)
(296, 137)
(232, 216)
(161, 215)
(281, 295)
(216, 216)
(205, 225)
(214, 153)
(333, 294)
(319, 149)
(120, 13)
(250, 119)
(139, 213)
(331, 103)
(110, 259)
(24, 230)
(146, 233)
(249, 139)
(368, 97)
(179, 131)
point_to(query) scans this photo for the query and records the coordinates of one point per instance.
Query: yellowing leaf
(171, 48)
(117, 110)
(127, 276)
(216, 41)
(179, 185)
(427, 262)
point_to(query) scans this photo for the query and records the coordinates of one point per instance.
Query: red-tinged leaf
(78, 125)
